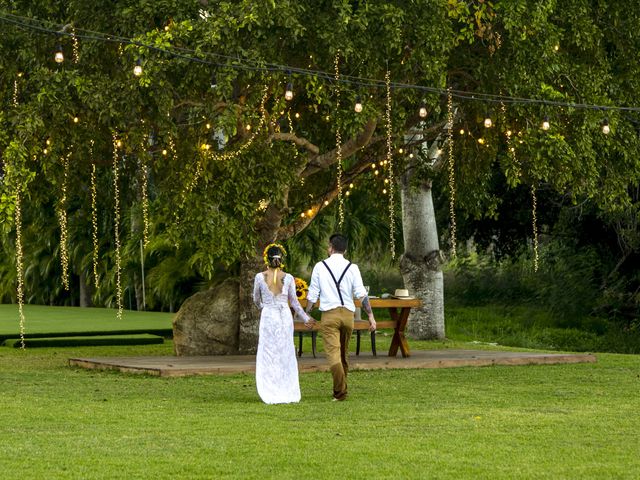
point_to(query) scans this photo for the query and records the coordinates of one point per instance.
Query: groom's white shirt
(322, 285)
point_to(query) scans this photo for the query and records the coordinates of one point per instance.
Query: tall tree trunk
(86, 289)
(421, 262)
(249, 320)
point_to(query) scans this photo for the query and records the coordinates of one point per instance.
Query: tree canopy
(229, 164)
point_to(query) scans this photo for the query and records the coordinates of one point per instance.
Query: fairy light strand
(263, 120)
(19, 265)
(534, 224)
(452, 180)
(94, 218)
(144, 193)
(389, 161)
(116, 222)
(339, 145)
(62, 220)
(19, 252)
(15, 91)
(76, 48)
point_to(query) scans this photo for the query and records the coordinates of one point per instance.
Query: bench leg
(357, 342)
(373, 343)
(314, 335)
(299, 344)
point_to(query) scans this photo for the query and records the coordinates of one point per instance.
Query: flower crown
(266, 249)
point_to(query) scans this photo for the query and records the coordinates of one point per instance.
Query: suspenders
(337, 282)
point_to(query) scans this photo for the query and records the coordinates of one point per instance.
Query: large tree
(232, 165)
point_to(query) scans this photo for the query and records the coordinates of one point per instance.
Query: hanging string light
(59, 55)
(94, 217)
(423, 111)
(19, 266)
(144, 192)
(545, 123)
(389, 161)
(487, 121)
(116, 223)
(606, 129)
(511, 151)
(263, 120)
(288, 93)
(339, 144)
(62, 220)
(534, 224)
(358, 106)
(19, 254)
(452, 181)
(15, 89)
(76, 49)
(137, 69)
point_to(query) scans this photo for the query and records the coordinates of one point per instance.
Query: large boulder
(208, 322)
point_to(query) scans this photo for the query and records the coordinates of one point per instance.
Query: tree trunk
(249, 315)
(86, 289)
(421, 262)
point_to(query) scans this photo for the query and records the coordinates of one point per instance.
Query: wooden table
(399, 311)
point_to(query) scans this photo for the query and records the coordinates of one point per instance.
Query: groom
(336, 281)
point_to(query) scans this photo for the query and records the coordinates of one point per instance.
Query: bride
(276, 363)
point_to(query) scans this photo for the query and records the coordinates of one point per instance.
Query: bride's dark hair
(275, 257)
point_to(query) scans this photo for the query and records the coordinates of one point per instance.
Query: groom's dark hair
(338, 242)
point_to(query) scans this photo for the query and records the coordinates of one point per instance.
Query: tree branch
(301, 223)
(350, 147)
(300, 141)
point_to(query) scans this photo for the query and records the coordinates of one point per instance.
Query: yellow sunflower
(301, 288)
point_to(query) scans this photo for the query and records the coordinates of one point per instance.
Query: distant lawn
(44, 319)
(528, 422)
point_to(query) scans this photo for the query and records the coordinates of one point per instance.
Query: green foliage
(204, 209)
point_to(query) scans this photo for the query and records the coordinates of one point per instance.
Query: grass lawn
(553, 421)
(40, 319)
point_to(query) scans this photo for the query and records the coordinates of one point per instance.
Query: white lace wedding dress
(276, 362)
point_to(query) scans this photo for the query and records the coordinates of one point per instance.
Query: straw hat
(402, 294)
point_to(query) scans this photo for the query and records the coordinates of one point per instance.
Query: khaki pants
(336, 326)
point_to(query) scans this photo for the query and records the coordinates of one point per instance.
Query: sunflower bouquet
(301, 288)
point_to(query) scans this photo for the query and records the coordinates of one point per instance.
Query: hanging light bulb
(605, 127)
(487, 121)
(59, 56)
(137, 70)
(214, 83)
(288, 93)
(423, 111)
(545, 123)
(358, 106)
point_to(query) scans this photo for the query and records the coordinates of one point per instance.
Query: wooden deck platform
(232, 364)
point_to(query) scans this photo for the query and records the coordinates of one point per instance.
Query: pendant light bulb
(137, 70)
(59, 56)
(358, 106)
(288, 94)
(545, 123)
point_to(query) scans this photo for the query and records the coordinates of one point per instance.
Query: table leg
(399, 341)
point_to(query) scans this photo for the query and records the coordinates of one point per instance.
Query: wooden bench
(358, 327)
(399, 312)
